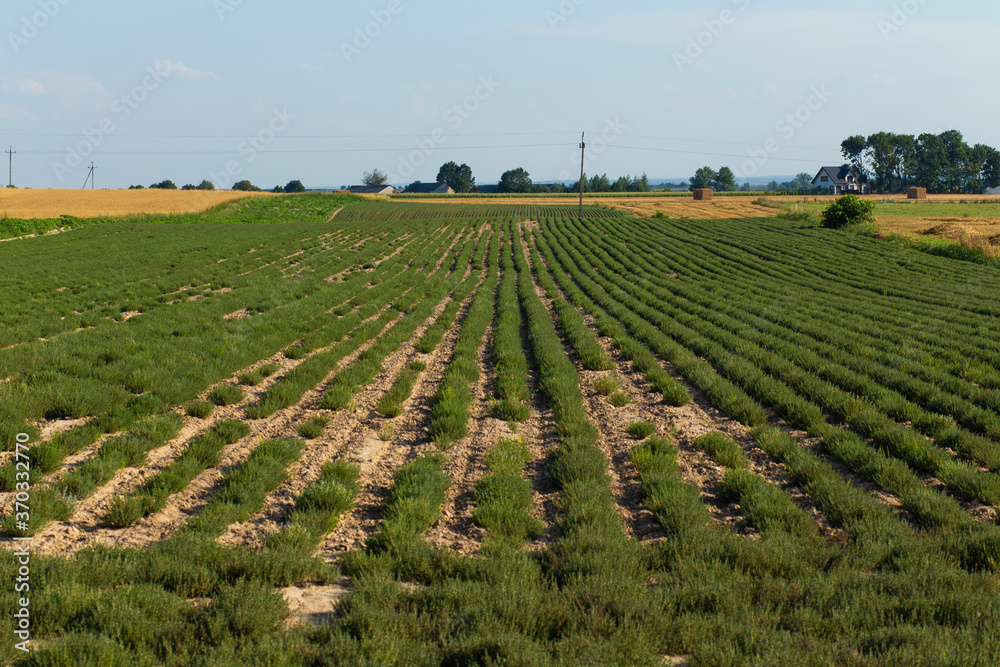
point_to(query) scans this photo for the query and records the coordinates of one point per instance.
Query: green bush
(199, 409)
(848, 210)
(226, 394)
(641, 430)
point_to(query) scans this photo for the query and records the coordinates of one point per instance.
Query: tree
(702, 178)
(848, 210)
(515, 180)
(374, 178)
(600, 183)
(206, 185)
(724, 181)
(163, 185)
(801, 182)
(294, 187)
(245, 186)
(459, 178)
(189, 186)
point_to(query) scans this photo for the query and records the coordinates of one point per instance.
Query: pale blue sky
(527, 77)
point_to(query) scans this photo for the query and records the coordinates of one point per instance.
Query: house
(993, 191)
(485, 189)
(838, 180)
(372, 190)
(429, 189)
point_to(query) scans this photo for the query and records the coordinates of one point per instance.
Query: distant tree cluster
(515, 181)
(458, 178)
(245, 186)
(942, 163)
(800, 185)
(721, 181)
(604, 184)
(293, 187)
(204, 185)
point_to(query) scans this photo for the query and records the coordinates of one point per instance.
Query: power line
(309, 151)
(744, 156)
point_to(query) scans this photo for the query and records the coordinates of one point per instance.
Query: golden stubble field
(28, 204)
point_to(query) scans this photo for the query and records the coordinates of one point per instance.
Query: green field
(489, 434)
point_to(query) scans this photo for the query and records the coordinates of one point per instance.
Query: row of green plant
(726, 396)
(727, 354)
(750, 362)
(203, 452)
(451, 403)
(509, 361)
(578, 335)
(349, 381)
(844, 338)
(504, 498)
(672, 391)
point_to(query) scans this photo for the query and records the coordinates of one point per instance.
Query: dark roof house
(372, 190)
(429, 189)
(838, 180)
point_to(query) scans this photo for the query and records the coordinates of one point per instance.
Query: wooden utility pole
(10, 173)
(91, 177)
(583, 153)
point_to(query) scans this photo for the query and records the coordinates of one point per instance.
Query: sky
(321, 92)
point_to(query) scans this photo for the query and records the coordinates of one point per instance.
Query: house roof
(837, 175)
(371, 190)
(429, 188)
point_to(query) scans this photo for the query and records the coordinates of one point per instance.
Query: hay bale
(703, 194)
(917, 193)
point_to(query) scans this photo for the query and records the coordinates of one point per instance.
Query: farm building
(838, 180)
(372, 190)
(485, 189)
(429, 189)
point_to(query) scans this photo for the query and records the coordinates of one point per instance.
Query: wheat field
(29, 204)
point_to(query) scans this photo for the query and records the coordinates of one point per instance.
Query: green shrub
(250, 379)
(641, 430)
(606, 385)
(313, 428)
(199, 409)
(849, 210)
(722, 450)
(620, 399)
(226, 394)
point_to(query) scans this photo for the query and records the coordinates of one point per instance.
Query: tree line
(293, 187)
(943, 163)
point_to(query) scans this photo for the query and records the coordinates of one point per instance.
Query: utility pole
(10, 173)
(91, 177)
(583, 153)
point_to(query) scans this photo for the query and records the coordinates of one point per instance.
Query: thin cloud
(181, 70)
